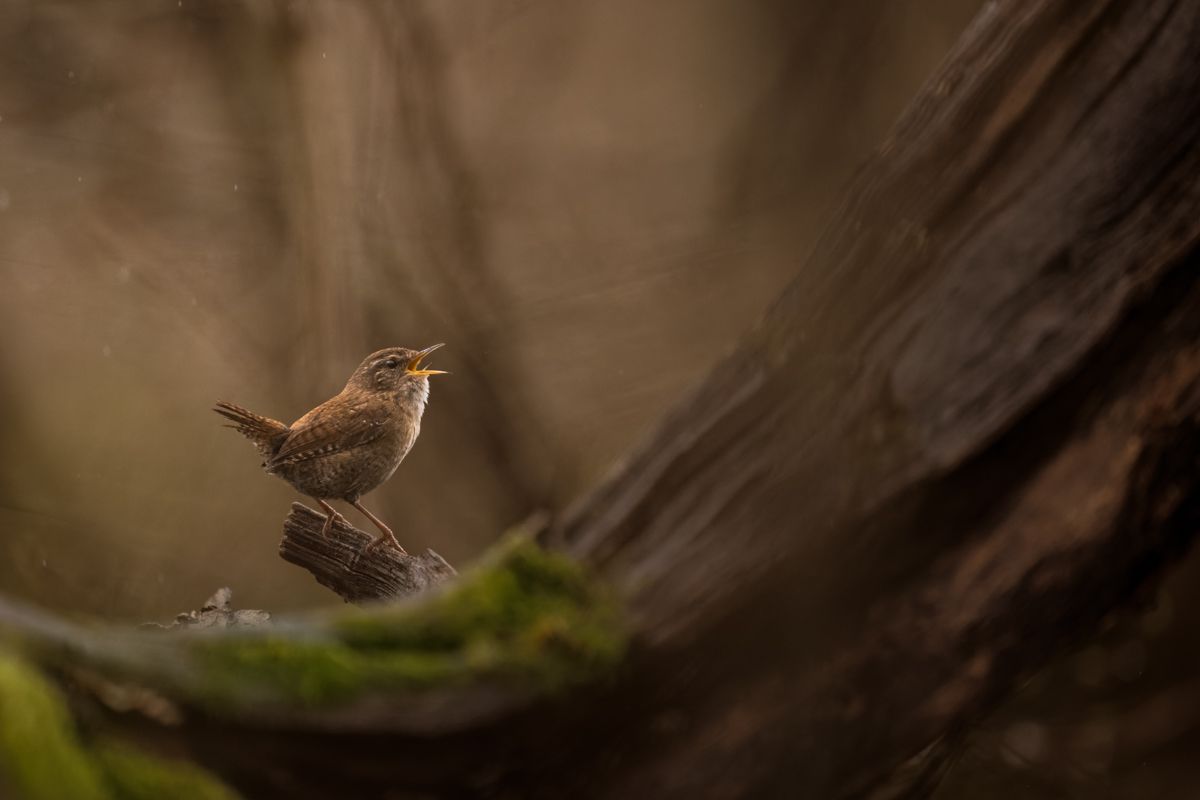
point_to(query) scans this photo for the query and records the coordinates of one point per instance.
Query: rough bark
(965, 433)
(342, 563)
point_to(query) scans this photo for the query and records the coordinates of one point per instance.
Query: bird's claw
(330, 521)
(378, 540)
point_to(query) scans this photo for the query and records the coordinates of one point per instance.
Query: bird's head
(395, 369)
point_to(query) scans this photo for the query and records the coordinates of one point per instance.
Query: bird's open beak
(414, 366)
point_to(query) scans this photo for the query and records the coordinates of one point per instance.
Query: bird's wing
(324, 431)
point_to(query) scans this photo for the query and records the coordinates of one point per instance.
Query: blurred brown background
(587, 201)
(239, 200)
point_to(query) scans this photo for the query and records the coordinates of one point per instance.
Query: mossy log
(43, 756)
(966, 433)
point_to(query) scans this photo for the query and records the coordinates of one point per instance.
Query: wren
(352, 442)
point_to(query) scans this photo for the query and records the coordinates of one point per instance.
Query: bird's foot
(388, 538)
(331, 519)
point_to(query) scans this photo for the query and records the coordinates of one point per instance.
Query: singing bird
(352, 442)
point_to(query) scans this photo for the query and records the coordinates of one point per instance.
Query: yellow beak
(414, 366)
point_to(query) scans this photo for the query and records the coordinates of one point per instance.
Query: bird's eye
(391, 363)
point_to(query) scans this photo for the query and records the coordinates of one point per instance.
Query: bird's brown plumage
(352, 442)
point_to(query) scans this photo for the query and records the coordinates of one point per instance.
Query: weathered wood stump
(342, 563)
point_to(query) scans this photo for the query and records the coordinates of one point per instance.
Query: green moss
(132, 775)
(525, 615)
(43, 758)
(40, 756)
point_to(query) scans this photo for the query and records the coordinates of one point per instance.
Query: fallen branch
(342, 563)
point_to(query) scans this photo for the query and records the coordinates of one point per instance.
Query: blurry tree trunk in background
(962, 436)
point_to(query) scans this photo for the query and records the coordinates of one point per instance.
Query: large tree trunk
(966, 432)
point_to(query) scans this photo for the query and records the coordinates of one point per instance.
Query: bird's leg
(331, 516)
(386, 532)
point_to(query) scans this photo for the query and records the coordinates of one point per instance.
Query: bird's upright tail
(267, 434)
